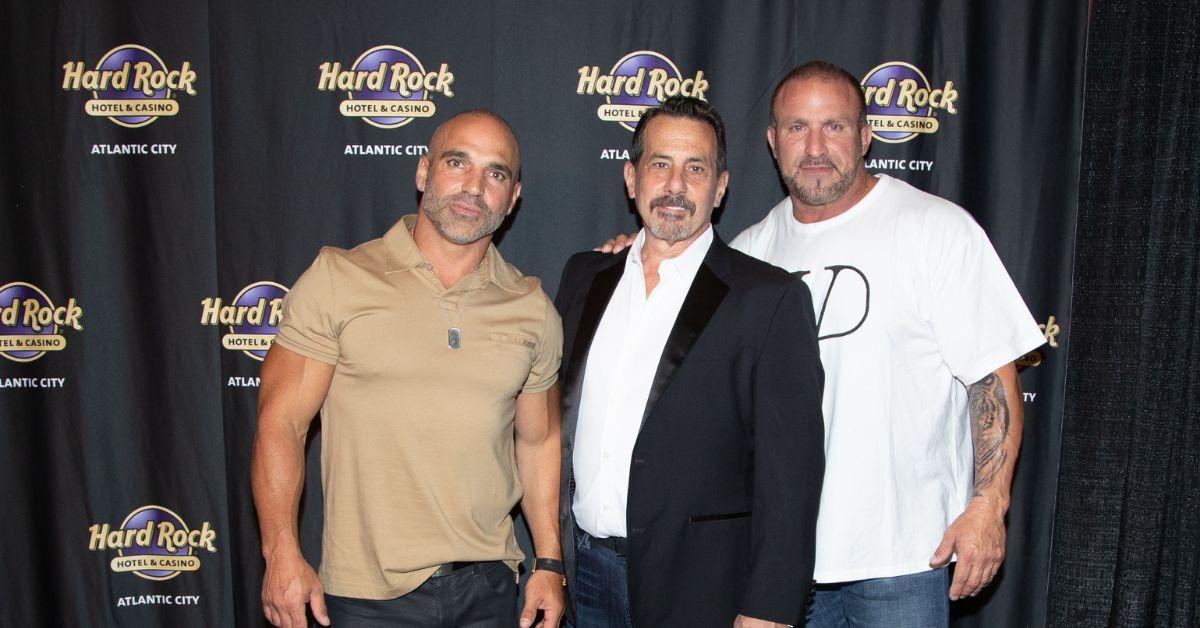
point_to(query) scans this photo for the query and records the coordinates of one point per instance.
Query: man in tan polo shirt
(433, 363)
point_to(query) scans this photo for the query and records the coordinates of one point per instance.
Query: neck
(655, 250)
(808, 214)
(451, 261)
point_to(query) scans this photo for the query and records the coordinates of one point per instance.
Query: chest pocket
(510, 356)
(514, 339)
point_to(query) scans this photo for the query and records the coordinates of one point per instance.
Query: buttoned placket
(640, 307)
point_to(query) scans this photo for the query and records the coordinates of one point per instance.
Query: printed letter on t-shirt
(846, 301)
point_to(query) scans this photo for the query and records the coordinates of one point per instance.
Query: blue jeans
(919, 600)
(601, 586)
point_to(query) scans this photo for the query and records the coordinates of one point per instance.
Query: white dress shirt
(621, 365)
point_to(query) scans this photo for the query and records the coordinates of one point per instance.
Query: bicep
(537, 414)
(1012, 398)
(1008, 375)
(1000, 387)
(292, 388)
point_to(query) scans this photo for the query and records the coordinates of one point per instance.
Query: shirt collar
(685, 265)
(403, 255)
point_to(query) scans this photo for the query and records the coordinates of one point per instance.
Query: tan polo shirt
(417, 458)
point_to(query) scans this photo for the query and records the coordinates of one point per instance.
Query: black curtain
(1127, 529)
(146, 408)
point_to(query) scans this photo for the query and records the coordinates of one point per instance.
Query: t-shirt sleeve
(743, 243)
(544, 372)
(308, 325)
(978, 318)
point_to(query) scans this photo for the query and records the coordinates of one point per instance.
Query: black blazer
(726, 472)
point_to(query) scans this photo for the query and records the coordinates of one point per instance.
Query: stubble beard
(818, 194)
(455, 228)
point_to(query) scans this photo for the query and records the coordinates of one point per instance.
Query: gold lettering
(908, 92)
(72, 74)
(1051, 330)
(96, 537)
(329, 75)
(587, 80)
(212, 308)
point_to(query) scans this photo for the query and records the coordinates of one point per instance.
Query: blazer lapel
(603, 285)
(701, 302)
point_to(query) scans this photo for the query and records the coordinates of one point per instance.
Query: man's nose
(677, 183)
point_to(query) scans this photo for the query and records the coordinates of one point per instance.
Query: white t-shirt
(912, 305)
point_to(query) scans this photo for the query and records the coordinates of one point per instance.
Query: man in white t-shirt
(918, 326)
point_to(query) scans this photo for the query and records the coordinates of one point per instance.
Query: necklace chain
(453, 331)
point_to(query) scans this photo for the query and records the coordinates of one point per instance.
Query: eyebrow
(825, 121)
(502, 168)
(688, 160)
(495, 164)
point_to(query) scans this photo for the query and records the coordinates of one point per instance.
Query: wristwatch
(553, 565)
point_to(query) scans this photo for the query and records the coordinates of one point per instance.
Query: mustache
(677, 200)
(470, 199)
(818, 161)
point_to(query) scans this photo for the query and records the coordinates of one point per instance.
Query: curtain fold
(1127, 527)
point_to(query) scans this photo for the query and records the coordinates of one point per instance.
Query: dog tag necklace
(453, 331)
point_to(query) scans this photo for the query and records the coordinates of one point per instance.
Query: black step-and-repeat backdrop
(169, 168)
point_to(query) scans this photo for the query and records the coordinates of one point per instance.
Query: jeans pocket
(499, 577)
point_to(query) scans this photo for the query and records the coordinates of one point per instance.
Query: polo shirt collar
(403, 254)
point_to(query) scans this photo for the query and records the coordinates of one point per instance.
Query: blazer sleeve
(789, 462)
(568, 284)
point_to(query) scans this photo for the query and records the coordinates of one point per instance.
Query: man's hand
(288, 585)
(617, 244)
(977, 536)
(741, 621)
(544, 592)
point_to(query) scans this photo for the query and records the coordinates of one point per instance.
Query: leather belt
(449, 568)
(618, 544)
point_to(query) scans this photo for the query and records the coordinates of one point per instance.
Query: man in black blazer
(692, 432)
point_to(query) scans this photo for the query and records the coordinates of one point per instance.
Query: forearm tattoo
(989, 429)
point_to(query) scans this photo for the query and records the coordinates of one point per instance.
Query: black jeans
(480, 596)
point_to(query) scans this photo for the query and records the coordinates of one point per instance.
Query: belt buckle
(447, 569)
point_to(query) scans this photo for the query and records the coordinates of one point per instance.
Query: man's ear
(515, 195)
(722, 185)
(422, 172)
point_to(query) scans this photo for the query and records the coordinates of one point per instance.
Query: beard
(456, 228)
(671, 227)
(821, 192)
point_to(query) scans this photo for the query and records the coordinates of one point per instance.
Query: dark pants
(480, 596)
(601, 586)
